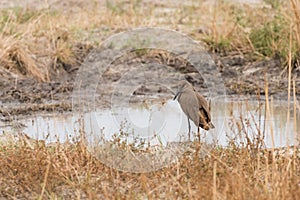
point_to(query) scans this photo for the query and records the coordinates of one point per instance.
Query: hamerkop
(194, 106)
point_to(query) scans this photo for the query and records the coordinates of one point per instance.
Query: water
(162, 124)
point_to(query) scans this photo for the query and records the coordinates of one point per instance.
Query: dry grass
(70, 172)
(38, 42)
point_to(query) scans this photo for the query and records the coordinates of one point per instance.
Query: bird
(194, 105)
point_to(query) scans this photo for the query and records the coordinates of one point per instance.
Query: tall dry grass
(40, 42)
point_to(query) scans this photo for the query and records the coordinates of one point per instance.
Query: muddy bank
(247, 76)
(240, 75)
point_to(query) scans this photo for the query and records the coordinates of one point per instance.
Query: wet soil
(240, 75)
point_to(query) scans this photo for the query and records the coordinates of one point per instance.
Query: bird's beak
(178, 92)
(176, 95)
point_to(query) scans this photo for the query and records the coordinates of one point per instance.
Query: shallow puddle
(236, 121)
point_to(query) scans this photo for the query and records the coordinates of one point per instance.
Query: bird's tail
(211, 125)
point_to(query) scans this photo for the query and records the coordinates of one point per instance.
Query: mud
(241, 76)
(244, 76)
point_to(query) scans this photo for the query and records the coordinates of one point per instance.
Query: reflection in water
(160, 124)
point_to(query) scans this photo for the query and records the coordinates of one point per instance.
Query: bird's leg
(198, 133)
(189, 134)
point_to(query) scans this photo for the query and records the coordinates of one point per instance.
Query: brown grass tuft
(18, 59)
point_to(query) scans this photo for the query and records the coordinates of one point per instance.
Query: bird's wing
(203, 106)
(190, 106)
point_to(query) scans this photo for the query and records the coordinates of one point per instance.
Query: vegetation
(36, 42)
(70, 172)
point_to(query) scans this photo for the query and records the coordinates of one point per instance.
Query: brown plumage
(194, 105)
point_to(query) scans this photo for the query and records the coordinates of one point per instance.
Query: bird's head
(182, 85)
